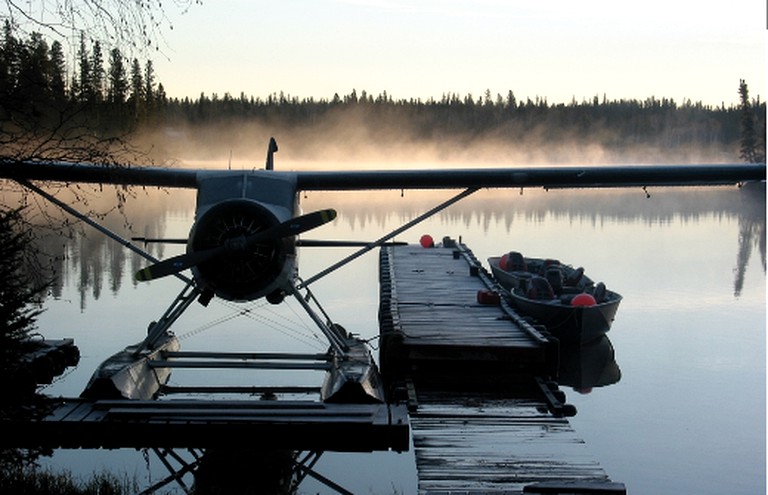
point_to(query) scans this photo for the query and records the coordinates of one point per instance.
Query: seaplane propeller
(238, 247)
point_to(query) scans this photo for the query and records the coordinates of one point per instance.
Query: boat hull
(571, 324)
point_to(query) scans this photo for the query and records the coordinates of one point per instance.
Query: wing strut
(95, 225)
(387, 237)
(157, 329)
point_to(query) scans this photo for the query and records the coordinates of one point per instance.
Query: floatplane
(243, 244)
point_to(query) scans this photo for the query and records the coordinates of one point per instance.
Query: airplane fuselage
(231, 207)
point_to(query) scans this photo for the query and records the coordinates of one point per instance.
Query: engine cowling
(241, 274)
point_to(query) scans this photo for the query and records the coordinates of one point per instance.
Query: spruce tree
(136, 98)
(748, 150)
(97, 74)
(58, 69)
(84, 71)
(118, 82)
(19, 295)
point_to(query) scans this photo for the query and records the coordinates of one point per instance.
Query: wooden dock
(485, 416)
(481, 444)
(282, 425)
(433, 325)
(39, 363)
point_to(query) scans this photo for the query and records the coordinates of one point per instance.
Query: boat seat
(515, 262)
(599, 292)
(540, 289)
(555, 278)
(547, 264)
(575, 277)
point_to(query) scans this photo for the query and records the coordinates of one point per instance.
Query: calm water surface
(687, 416)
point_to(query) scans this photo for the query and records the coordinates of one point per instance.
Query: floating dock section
(279, 425)
(486, 417)
(439, 317)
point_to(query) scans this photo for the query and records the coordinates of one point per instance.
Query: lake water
(687, 416)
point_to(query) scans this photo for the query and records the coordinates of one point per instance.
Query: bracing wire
(296, 329)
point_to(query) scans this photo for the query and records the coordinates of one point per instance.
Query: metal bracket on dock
(555, 398)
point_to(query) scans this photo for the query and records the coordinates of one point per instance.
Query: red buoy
(503, 261)
(488, 297)
(583, 299)
(426, 241)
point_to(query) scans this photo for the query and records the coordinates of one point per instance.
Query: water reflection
(588, 366)
(751, 233)
(99, 264)
(75, 252)
(246, 470)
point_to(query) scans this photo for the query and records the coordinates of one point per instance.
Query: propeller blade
(294, 226)
(290, 227)
(178, 264)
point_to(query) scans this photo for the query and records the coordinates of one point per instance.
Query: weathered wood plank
(483, 445)
(64, 409)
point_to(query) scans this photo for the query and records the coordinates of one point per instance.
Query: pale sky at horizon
(427, 48)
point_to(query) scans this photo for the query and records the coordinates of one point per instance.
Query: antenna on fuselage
(270, 153)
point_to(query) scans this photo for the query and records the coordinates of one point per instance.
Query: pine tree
(150, 92)
(149, 83)
(84, 71)
(9, 60)
(17, 292)
(97, 74)
(118, 83)
(32, 85)
(58, 68)
(748, 151)
(137, 88)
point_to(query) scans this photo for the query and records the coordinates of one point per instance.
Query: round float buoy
(583, 299)
(426, 241)
(503, 261)
(488, 297)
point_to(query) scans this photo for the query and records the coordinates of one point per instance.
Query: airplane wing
(547, 177)
(517, 177)
(98, 174)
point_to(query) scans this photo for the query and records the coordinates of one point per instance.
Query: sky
(558, 50)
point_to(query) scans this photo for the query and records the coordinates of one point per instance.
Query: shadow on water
(245, 471)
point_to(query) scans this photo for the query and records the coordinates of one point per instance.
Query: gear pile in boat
(570, 304)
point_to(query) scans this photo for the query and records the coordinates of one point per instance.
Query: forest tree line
(111, 95)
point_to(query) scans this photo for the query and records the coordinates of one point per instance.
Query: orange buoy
(426, 241)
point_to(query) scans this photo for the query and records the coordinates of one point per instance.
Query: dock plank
(495, 446)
